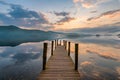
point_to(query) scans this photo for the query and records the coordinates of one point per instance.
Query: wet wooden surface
(59, 67)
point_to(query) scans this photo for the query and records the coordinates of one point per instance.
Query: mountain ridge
(12, 35)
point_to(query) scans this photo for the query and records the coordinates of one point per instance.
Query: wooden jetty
(60, 65)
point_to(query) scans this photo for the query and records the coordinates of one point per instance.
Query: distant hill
(105, 30)
(12, 35)
(11, 27)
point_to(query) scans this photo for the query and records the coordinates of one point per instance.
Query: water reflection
(23, 62)
(98, 59)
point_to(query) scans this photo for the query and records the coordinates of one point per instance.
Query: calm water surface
(99, 59)
(23, 62)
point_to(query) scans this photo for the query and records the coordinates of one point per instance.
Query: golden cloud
(109, 14)
(90, 3)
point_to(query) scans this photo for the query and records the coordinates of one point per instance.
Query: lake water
(99, 59)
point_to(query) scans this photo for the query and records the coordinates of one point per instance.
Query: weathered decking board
(59, 67)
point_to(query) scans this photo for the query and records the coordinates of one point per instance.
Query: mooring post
(60, 42)
(76, 56)
(68, 48)
(65, 44)
(52, 48)
(55, 44)
(44, 55)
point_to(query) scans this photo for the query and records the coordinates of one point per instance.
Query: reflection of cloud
(85, 63)
(23, 57)
(27, 48)
(1, 50)
(112, 13)
(118, 71)
(102, 47)
(91, 71)
(106, 55)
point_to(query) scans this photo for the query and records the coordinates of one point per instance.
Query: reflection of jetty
(60, 65)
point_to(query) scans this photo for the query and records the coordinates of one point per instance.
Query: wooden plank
(59, 67)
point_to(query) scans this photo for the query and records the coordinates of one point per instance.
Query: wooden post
(52, 48)
(65, 44)
(44, 55)
(55, 44)
(60, 42)
(76, 56)
(68, 48)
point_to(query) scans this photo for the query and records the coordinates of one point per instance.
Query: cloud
(117, 23)
(93, 12)
(64, 20)
(1, 22)
(108, 13)
(90, 3)
(19, 16)
(92, 18)
(75, 1)
(61, 13)
(65, 17)
(4, 3)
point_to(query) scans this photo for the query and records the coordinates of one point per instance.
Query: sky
(60, 15)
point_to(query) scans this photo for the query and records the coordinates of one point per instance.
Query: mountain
(12, 35)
